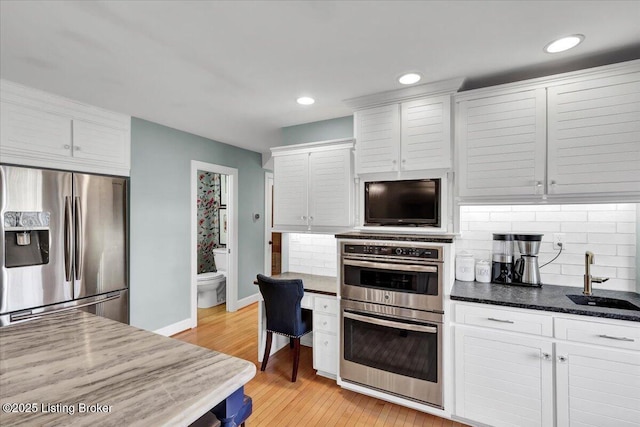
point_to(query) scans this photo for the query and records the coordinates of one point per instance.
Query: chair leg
(296, 358)
(267, 350)
(291, 342)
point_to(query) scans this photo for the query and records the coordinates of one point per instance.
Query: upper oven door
(417, 286)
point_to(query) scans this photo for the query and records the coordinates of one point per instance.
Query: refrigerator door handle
(67, 238)
(79, 236)
(25, 316)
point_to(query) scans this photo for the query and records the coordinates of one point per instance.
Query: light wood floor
(312, 400)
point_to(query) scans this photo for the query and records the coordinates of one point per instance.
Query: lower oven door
(393, 354)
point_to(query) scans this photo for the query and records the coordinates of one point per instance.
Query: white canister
(483, 271)
(464, 267)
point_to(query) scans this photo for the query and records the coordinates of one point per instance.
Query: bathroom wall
(208, 219)
(607, 230)
(312, 254)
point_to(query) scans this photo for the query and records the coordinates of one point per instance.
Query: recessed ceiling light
(565, 43)
(305, 100)
(409, 78)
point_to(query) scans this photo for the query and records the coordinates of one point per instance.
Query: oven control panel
(391, 251)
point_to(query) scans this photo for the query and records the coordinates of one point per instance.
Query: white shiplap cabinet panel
(100, 144)
(597, 386)
(313, 186)
(426, 134)
(44, 130)
(502, 379)
(330, 188)
(34, 133)
(502, 144)
(377, 133)
(290, 189)
(594, 136)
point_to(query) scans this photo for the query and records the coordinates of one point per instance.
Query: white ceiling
(231, 71)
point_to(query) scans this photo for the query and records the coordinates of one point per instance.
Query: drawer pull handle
(325, 306)
(546, 356)
(324, 323)
(326, 343)
(617, 338)
(493, 319)
(562, 359)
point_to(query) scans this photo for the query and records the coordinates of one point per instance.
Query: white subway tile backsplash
(590, 227)
(617, 216)
(572, 216)
(626, 250)
(313, 254)
(626, 227)
(618, 239)
(608, 230)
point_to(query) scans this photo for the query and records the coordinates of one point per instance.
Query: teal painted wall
(160, 198)
(324, 130)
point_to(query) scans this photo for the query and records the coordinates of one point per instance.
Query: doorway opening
(213, 239)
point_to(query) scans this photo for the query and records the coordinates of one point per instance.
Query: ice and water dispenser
(26, 238)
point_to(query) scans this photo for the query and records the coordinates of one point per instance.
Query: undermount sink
(603, 302)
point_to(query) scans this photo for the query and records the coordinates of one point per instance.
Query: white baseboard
(173, 329)
(248, 300)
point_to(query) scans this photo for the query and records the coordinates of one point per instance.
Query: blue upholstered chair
(284, 315)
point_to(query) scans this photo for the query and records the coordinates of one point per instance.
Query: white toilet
(212, 287)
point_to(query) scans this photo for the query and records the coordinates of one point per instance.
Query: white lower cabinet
(597, 386)
(325, 340)
(503, 379)
(586, 374)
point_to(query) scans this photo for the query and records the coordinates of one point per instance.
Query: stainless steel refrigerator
(64, 244)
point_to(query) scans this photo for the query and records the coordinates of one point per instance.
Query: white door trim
(268, 203)
(232, 235)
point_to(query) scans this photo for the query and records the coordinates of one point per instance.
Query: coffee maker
(502, 258)
(526, 269)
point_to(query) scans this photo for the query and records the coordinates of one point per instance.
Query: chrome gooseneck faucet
(589, 258)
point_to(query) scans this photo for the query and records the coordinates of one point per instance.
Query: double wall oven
(392, 318)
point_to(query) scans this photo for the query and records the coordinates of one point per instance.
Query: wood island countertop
(138, 377)
(327, 285)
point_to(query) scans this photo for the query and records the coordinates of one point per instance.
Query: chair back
(282, 304)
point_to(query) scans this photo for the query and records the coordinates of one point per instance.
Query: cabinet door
(426, 134)
(100, 144)
(502, 379)
(597, 386)
(32, 133)
(502, 142)
(377, 133)
(330, 186)
(594, 136)
(290, 189)
(325, 352)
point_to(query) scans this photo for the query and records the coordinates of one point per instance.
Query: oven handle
(397, 325)
(389, 266)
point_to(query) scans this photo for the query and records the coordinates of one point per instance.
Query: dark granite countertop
(547, 298)
(367, 235)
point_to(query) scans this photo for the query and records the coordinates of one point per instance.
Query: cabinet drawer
(325, 323)
(508, 320)
(307, 301)
(598, 333)
(326, 305)
(325, 354)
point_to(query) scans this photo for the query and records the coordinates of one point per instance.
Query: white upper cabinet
(410, 136)
(378, 139)
(44, 130)
(594, 135)
(404, 130)
(570, 137)
(313, 186)
(502, 144)
(426, 134)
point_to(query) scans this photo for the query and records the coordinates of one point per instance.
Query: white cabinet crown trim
(443, 87)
